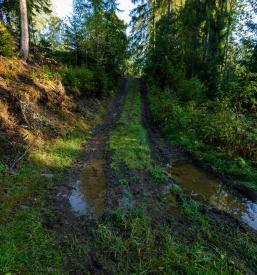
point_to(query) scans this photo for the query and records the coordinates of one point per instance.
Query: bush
(45, 73)
(79, 80)
(7, 46)
(208, 127)
(3, 168)
(102, 80)
(186, 89)
(242, 90)
(191, 89)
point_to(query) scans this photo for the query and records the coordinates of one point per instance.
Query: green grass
(186, 241)
(125, 242)
(128, 142)
(26, 246)
(135, 245)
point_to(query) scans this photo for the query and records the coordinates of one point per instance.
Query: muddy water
(206, 188)
(88, 196)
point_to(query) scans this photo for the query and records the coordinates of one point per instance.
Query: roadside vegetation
(202, 81)
(50, 136)
(49, 103)
(211, 131)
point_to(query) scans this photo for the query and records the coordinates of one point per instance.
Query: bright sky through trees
(64, 7)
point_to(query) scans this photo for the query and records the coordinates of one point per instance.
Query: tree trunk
(154, 11)
(1, 16)
(169, 7)
(1, 13)
(24, 30)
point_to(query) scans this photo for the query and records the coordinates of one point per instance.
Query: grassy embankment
(211, 131)
(37, 112)
(184, 240)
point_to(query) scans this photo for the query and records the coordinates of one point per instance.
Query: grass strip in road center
(128, 142)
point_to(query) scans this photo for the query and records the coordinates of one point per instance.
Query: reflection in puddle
(206, 188)
(89, 195)
(78, 202)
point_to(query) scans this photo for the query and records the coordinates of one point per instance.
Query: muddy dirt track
(90, 190)
(69, 214)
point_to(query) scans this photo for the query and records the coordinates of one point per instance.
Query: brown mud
(88, 179)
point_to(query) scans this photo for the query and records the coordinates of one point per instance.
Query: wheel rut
(81, 195)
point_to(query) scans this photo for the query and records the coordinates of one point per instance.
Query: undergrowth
(212, 131)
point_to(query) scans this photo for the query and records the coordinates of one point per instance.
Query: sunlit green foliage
(202, 80)
(7, 46)
(79, 80)
(96, 39)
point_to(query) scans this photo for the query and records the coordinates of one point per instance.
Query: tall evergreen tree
(24, 29)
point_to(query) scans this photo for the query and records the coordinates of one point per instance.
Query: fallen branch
(19, 157)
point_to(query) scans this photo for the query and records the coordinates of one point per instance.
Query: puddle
(208, 189)
(88, 197)
(79, 203)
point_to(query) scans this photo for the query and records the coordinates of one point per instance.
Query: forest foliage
(199, 59)
(93, 39)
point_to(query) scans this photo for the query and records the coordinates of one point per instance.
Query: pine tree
(24, 29)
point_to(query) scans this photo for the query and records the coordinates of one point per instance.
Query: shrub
(45, 73)
(191, 89)
(3, 167)
(185, 89)
(79, 80)
(213, 126)
(242, 90)
(7, 46)
(229, 130)
(102, 80)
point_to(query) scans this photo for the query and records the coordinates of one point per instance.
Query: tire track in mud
(74, 231)
(93, 160)
(91, 188)
(88, 197)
